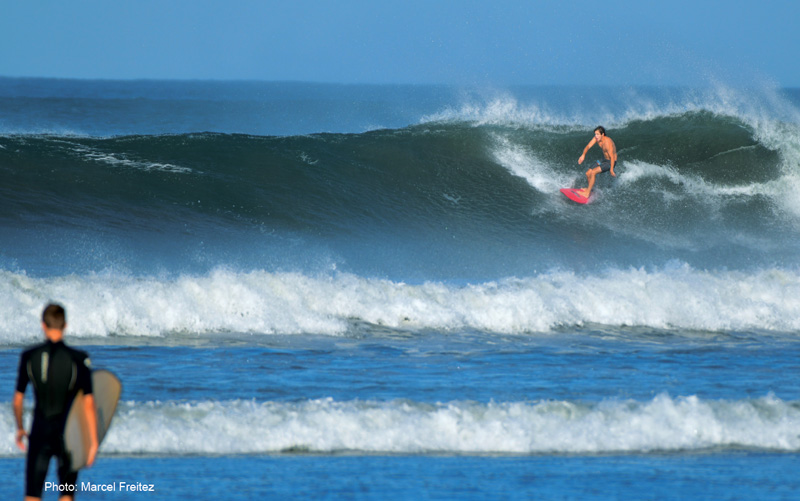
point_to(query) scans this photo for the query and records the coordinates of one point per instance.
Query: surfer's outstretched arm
(588, 147)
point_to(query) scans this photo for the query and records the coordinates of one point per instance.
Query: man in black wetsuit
(57, 373)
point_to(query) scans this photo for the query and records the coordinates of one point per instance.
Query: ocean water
(378, 292)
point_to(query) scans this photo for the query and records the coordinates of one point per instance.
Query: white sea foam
(260, 302)
(612, 426)
(522, 162)
(694, 185)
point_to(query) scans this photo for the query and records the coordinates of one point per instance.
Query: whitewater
(262, 303)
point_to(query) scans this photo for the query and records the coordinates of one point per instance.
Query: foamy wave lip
(765, 109)
(502, 110)
(406, 427)
(260, 302)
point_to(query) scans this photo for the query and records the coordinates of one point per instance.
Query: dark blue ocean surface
(323, 291)
(667, 476)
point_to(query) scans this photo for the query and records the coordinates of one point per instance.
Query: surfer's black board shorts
(604, 165)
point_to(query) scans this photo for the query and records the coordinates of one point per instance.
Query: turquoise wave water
(696, 186)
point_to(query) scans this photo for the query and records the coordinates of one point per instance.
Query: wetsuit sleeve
(22, 374)
(85, 375)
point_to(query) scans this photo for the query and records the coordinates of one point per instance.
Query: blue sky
(459, 42)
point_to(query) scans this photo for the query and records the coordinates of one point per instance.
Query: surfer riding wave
(606, 165)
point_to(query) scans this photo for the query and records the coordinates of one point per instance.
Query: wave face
(662, 424)
(694, 186)
(411, 226)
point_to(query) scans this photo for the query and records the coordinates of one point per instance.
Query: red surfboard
(572, 194)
